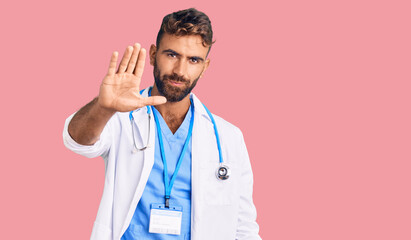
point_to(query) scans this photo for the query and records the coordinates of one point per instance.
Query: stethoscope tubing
(221, 169)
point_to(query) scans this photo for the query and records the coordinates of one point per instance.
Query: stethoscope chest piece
(223, 172)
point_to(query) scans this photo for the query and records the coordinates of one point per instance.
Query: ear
(207, 63)
(153, 51)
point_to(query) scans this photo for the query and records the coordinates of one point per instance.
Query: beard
(172, 93)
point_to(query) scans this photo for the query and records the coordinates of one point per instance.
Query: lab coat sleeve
(247, 226)
(100, 148)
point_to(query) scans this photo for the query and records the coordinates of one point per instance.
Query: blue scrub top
(154, 190)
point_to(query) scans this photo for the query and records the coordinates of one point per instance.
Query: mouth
(175, 83)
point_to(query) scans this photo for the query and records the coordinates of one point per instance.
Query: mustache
(175, 77)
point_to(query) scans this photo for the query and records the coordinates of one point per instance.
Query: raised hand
(119, 90)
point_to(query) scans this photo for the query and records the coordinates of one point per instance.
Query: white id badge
(165, 220)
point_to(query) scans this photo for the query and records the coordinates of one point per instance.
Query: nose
(180, 67)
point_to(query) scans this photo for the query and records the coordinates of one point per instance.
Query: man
(165, 178)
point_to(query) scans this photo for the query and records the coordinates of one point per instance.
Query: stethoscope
(223, 171)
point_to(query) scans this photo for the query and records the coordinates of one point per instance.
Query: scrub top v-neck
(154, 190)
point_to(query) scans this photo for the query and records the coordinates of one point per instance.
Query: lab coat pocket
(216, 191)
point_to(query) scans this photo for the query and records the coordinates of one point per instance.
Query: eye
(194, 60)
(171, 55)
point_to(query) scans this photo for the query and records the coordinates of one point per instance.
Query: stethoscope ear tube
(135, 148)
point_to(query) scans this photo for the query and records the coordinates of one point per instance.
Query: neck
(173, 113)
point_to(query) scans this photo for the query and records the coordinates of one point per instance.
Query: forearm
(87, 124)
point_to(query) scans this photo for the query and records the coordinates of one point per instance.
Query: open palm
(119, 90)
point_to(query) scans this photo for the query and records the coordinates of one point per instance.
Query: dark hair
(187, 22)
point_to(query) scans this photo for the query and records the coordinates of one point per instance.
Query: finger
(113, 64)
(140, 63)
(133, 59)
(125, 60)
(154, 100)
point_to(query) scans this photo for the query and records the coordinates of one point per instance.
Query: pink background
(321, 90)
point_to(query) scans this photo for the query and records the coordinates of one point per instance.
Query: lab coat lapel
(204, 150)
(141, 120)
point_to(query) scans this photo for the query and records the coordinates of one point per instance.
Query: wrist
(101, 110)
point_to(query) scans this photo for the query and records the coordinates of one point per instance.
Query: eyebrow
(177, 54)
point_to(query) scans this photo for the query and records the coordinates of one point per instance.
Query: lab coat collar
(141, 119)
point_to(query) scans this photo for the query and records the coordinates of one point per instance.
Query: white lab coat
(220, 209)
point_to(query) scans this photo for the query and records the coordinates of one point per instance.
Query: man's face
(178, 64)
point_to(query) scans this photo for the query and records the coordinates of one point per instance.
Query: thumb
(154, 100)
